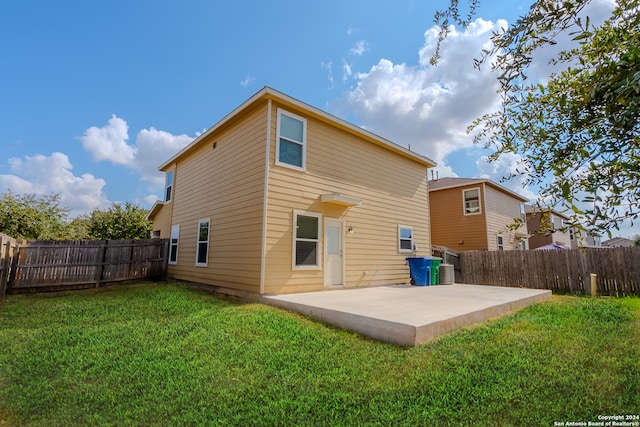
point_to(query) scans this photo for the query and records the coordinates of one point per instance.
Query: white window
(291, 143)
(500, 243)
(523, 212)
(471, 201)
(571, 234)
(202, 250)
(405, 238)
(558, 223)
(173, 244)
(168, 186)
(306, 240)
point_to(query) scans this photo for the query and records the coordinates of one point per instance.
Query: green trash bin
(435, 270)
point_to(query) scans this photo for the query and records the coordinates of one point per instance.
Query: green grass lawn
(163, 354)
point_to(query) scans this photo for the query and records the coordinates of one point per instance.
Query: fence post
(594, 285)
(14, 266)
(5, 261)
(102, 251)
(165, 258)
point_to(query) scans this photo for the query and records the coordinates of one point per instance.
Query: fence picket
(618, 269)
(62, 264)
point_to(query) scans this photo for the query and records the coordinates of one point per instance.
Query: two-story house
(281, 197)
(618, 242)
(476, 214)
(548, 227)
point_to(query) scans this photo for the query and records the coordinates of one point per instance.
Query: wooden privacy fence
(617, 269)
(8, 247)
(72, 264)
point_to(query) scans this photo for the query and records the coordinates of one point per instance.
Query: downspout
(265, 201)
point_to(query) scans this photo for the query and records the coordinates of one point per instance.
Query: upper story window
(500, 243)
(168, 186)
(523, 212)
(558, 223)
(471, 201)
(291, 143)
(405, 238)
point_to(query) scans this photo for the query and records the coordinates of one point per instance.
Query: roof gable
(447, 183)
(268, 93)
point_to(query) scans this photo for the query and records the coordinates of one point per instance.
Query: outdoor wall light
(351, 230)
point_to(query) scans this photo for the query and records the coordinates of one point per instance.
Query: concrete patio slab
(408, 315)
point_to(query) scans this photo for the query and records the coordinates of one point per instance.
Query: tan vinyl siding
(561, 238)
(162, 221)
(392, 189)
(502, 210)
(224, 184)
(450, 227)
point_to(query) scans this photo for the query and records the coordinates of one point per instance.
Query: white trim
(303, 143)
(340, 200)
(340, 222)
(318, 265)
(177, 236)
(464, 201)
(198, 241)
(265, 200)
(400, 239)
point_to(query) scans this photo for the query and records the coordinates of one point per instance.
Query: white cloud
(109, 142)
(248, 81)
(508, 165)
(347, 71)
(328, 66)
(150, 199)
(540, 68)
(45, 175)
(81, 194)
(151, 148)
(429, 107)
(360, 48)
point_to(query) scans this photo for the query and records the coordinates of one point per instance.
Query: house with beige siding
(476, 214)
(282, 197)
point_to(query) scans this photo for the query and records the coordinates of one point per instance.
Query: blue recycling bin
(419, 270)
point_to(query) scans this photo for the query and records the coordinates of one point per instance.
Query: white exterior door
(333, 252)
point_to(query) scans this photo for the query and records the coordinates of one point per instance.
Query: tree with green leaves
(29, 216)
(128, 221)
(577, 132)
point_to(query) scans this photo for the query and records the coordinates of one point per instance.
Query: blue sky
(95, 95)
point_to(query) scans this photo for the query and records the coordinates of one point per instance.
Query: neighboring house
(281, 197)
(590, 240)
(556, 235)
(569, 238)
(475, 214)
(617, 242)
